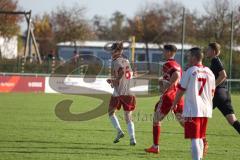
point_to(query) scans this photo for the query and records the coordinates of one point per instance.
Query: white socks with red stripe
(197, 149)
(115, 122)
(131, 130)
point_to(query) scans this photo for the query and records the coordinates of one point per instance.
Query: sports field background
(29, 129)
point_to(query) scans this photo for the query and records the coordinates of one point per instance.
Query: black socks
(236, 125)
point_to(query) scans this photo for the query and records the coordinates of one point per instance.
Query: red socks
(156, 134)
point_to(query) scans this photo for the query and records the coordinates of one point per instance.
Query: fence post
(110, 68)
(81, 67)
(230, 57)
(23, 64)
(78, 66)
(53, 64)
(183, 36)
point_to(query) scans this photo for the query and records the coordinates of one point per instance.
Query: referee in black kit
(222, 98)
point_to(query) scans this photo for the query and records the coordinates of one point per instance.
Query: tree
(217, 22)
(148, 27)
(216, 26)
(9, 23)
(44, 33)
(119, 28)
(101, 28)
(115, 28)
(69, 24)
(172, 12)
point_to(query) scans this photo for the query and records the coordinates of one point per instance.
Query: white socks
(131, 130)
(130, 126)
(197, 149)
(115, 123)
(201, 147)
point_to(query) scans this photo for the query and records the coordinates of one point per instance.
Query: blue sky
(102, 7)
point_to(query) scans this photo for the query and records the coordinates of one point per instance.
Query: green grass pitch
(29, 129)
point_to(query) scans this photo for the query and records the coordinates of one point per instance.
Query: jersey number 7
(203, 83)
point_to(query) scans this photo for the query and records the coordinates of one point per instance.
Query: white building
(9, 47)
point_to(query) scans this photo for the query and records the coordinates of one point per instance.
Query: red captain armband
(180, 87)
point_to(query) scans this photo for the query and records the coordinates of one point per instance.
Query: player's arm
(178, 97)
(173, 80)
(182, 86)
(221, 78)
(119, 76)
(115, 81)
(220, 70)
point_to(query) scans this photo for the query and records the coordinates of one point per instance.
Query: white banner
(73, 85)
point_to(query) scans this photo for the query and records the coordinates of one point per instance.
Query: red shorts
(166, 102)
(128, 102)
(195, 127)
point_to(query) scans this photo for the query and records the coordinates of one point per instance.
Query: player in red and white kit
(122, 97)
(168, 85)
(198, 84)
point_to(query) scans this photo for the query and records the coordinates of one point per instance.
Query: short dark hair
(117, 46)
(215, 46)
(197, 53)
(170, 47)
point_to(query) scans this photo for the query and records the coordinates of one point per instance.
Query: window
(141, 57)
(156, 57)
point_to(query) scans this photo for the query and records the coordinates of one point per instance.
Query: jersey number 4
(203, 83)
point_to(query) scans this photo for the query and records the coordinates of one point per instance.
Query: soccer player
(198, 82)
(222, 99)
(171, 76)
(120, 81)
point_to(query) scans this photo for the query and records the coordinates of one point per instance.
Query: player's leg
(178, 112)
(196, 149)
(232, 120)
(129, 105)
(195, 129)
(203, 141)
(225, 106)
(201, 144)
(180, 118)
(205, 146)
(130, 127)
(216, 102)
(191, 131)
(229, 114)
(114, 103)
(158, 117)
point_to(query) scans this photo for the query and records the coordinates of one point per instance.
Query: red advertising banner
(22, 84)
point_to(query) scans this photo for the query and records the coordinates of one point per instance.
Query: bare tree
(115, 28)
(172, 11)
(148, 27)
(69, 24)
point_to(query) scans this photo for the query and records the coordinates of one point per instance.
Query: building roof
(101, 44)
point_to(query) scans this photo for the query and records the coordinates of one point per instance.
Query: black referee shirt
(216, 67)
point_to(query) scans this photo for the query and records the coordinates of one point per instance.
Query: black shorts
(222, 100)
